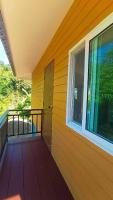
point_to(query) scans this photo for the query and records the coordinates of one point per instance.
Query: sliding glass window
(99, 119)
(90, 86)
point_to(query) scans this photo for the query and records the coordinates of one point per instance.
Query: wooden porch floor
(30, 173)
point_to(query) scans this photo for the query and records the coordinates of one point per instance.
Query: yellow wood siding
(87, 169)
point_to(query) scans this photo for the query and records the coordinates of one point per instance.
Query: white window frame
(97, 140)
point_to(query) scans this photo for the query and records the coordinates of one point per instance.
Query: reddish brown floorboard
(30, 173)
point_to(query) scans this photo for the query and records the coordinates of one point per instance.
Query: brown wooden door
(48, 103)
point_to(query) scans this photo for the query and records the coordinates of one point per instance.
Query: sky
(3, 56)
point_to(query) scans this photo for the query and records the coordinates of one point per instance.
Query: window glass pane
(100, 85)
(78, 86)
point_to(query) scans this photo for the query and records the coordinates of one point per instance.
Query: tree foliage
(14, 93)
(106, 78)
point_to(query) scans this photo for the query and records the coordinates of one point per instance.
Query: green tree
(14, 93)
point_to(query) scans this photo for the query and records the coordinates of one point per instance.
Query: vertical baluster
(18, 124)
(13, 126)
(7, 126)
(23, 124)
(27, 125)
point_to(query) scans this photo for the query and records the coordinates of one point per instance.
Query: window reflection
(100, 85)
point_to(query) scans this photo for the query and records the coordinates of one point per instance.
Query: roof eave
(4, 39)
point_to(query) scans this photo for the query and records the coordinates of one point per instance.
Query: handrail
(25, 109)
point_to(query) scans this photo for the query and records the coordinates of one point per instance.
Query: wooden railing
(18, 123)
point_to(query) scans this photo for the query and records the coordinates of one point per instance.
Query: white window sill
(98, 141)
